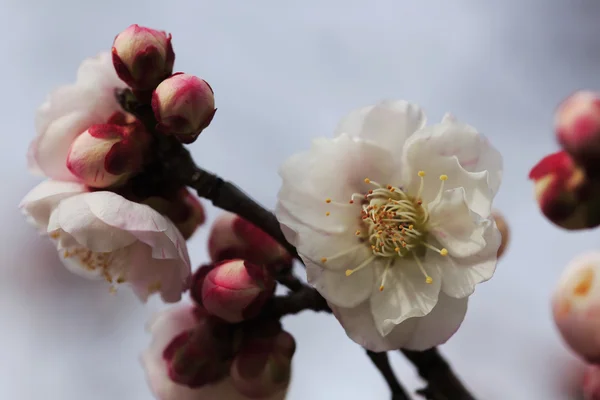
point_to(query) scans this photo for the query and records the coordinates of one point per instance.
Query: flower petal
(455, 226)
(339, 289)
(423, 152)
(461, 275)
(439, 325)
(387, 124)
(360, 327)
(335, 168)
(39, 203)
(406, 294)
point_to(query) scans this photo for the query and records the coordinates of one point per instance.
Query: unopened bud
(183, 106)
(200, 356)
(263, 367)
(234, 237)
(565, 195)
(183, 209)
(107, 154)
(236, 290)
(576, 306)
(504, 231)
(591, 383)
(578, 128)
(143, 57)
(197, 281)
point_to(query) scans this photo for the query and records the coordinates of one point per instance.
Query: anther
(367, 180)
(327, 214)
(444, 252)
(324, 260)
(421, 173)
(327, 200)
(443, 177)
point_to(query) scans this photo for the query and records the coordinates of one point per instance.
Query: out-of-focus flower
(236, 290)
(107, 154)
(101, 234)
(71, 110)
(578, 128)
(183, 209)
(234, 237)
(591, 383)
(576, 306)
(565, 196)
(143, 57)
(392, 220)
(166, 327)
(262, 367)
(504, 231)
(184, 106)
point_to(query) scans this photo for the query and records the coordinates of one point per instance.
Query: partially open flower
(576, 306)
(504, 231)
(166, 327)
(103, 235)
(262, 367)
(183, 209)
(233, 237)
(107, 154)
(236, 290)
(143, 57)
(578, 128)
(183, 106)
(392, 219)
(565, 195)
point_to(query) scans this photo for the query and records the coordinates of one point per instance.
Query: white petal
(336, 168)
(39, 203)
(418, 156)
(461, 275)
(406, 294)
(339, 289)
(458, 229)
(387, 124)
(439, 325)
(360, 327)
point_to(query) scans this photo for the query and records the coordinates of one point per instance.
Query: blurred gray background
(285, 72)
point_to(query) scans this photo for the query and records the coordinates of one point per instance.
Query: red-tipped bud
(143, 57)
(183, 106)
(504, 231)
(183, 209)
(107, 154)
(262, 367)
(578, 128)
(236, 290)
(234, 237)
(201, 355)
(564, 193)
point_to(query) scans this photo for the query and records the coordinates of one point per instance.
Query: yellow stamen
(444, 252)
(361, 266)
(428, 279)
(443, 177)
(328, 200)
(327, 214)
(324, 260)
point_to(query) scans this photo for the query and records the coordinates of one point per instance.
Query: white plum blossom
(103, 235)
(393, 221)
(69, 111)
(164, 327)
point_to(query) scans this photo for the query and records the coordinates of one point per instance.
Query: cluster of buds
(229, 339)
(567, 183)
(183, 104)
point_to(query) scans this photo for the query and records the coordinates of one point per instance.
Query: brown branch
(382, 362)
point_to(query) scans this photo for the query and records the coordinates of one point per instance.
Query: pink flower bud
(201, 355)
(564, 193)
(576, 306)
(234, 237)
(197, 282)
(578, 126)
(183, 106)
(504, 231)
(236, 290)
(591, 383)
(143, 57)
(107, 154)
(262, 367)
(183, 209)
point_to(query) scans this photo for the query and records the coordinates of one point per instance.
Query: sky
(284, 74)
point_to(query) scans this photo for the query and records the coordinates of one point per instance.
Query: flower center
(395, 225)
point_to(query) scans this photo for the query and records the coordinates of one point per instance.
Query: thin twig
(382, 362)
(306, 298)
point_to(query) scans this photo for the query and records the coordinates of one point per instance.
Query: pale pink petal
(39, 203)
(405, 295)
(387, 124)
(439, 325)
(339, 289)
(461, 275)
(455, 226)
